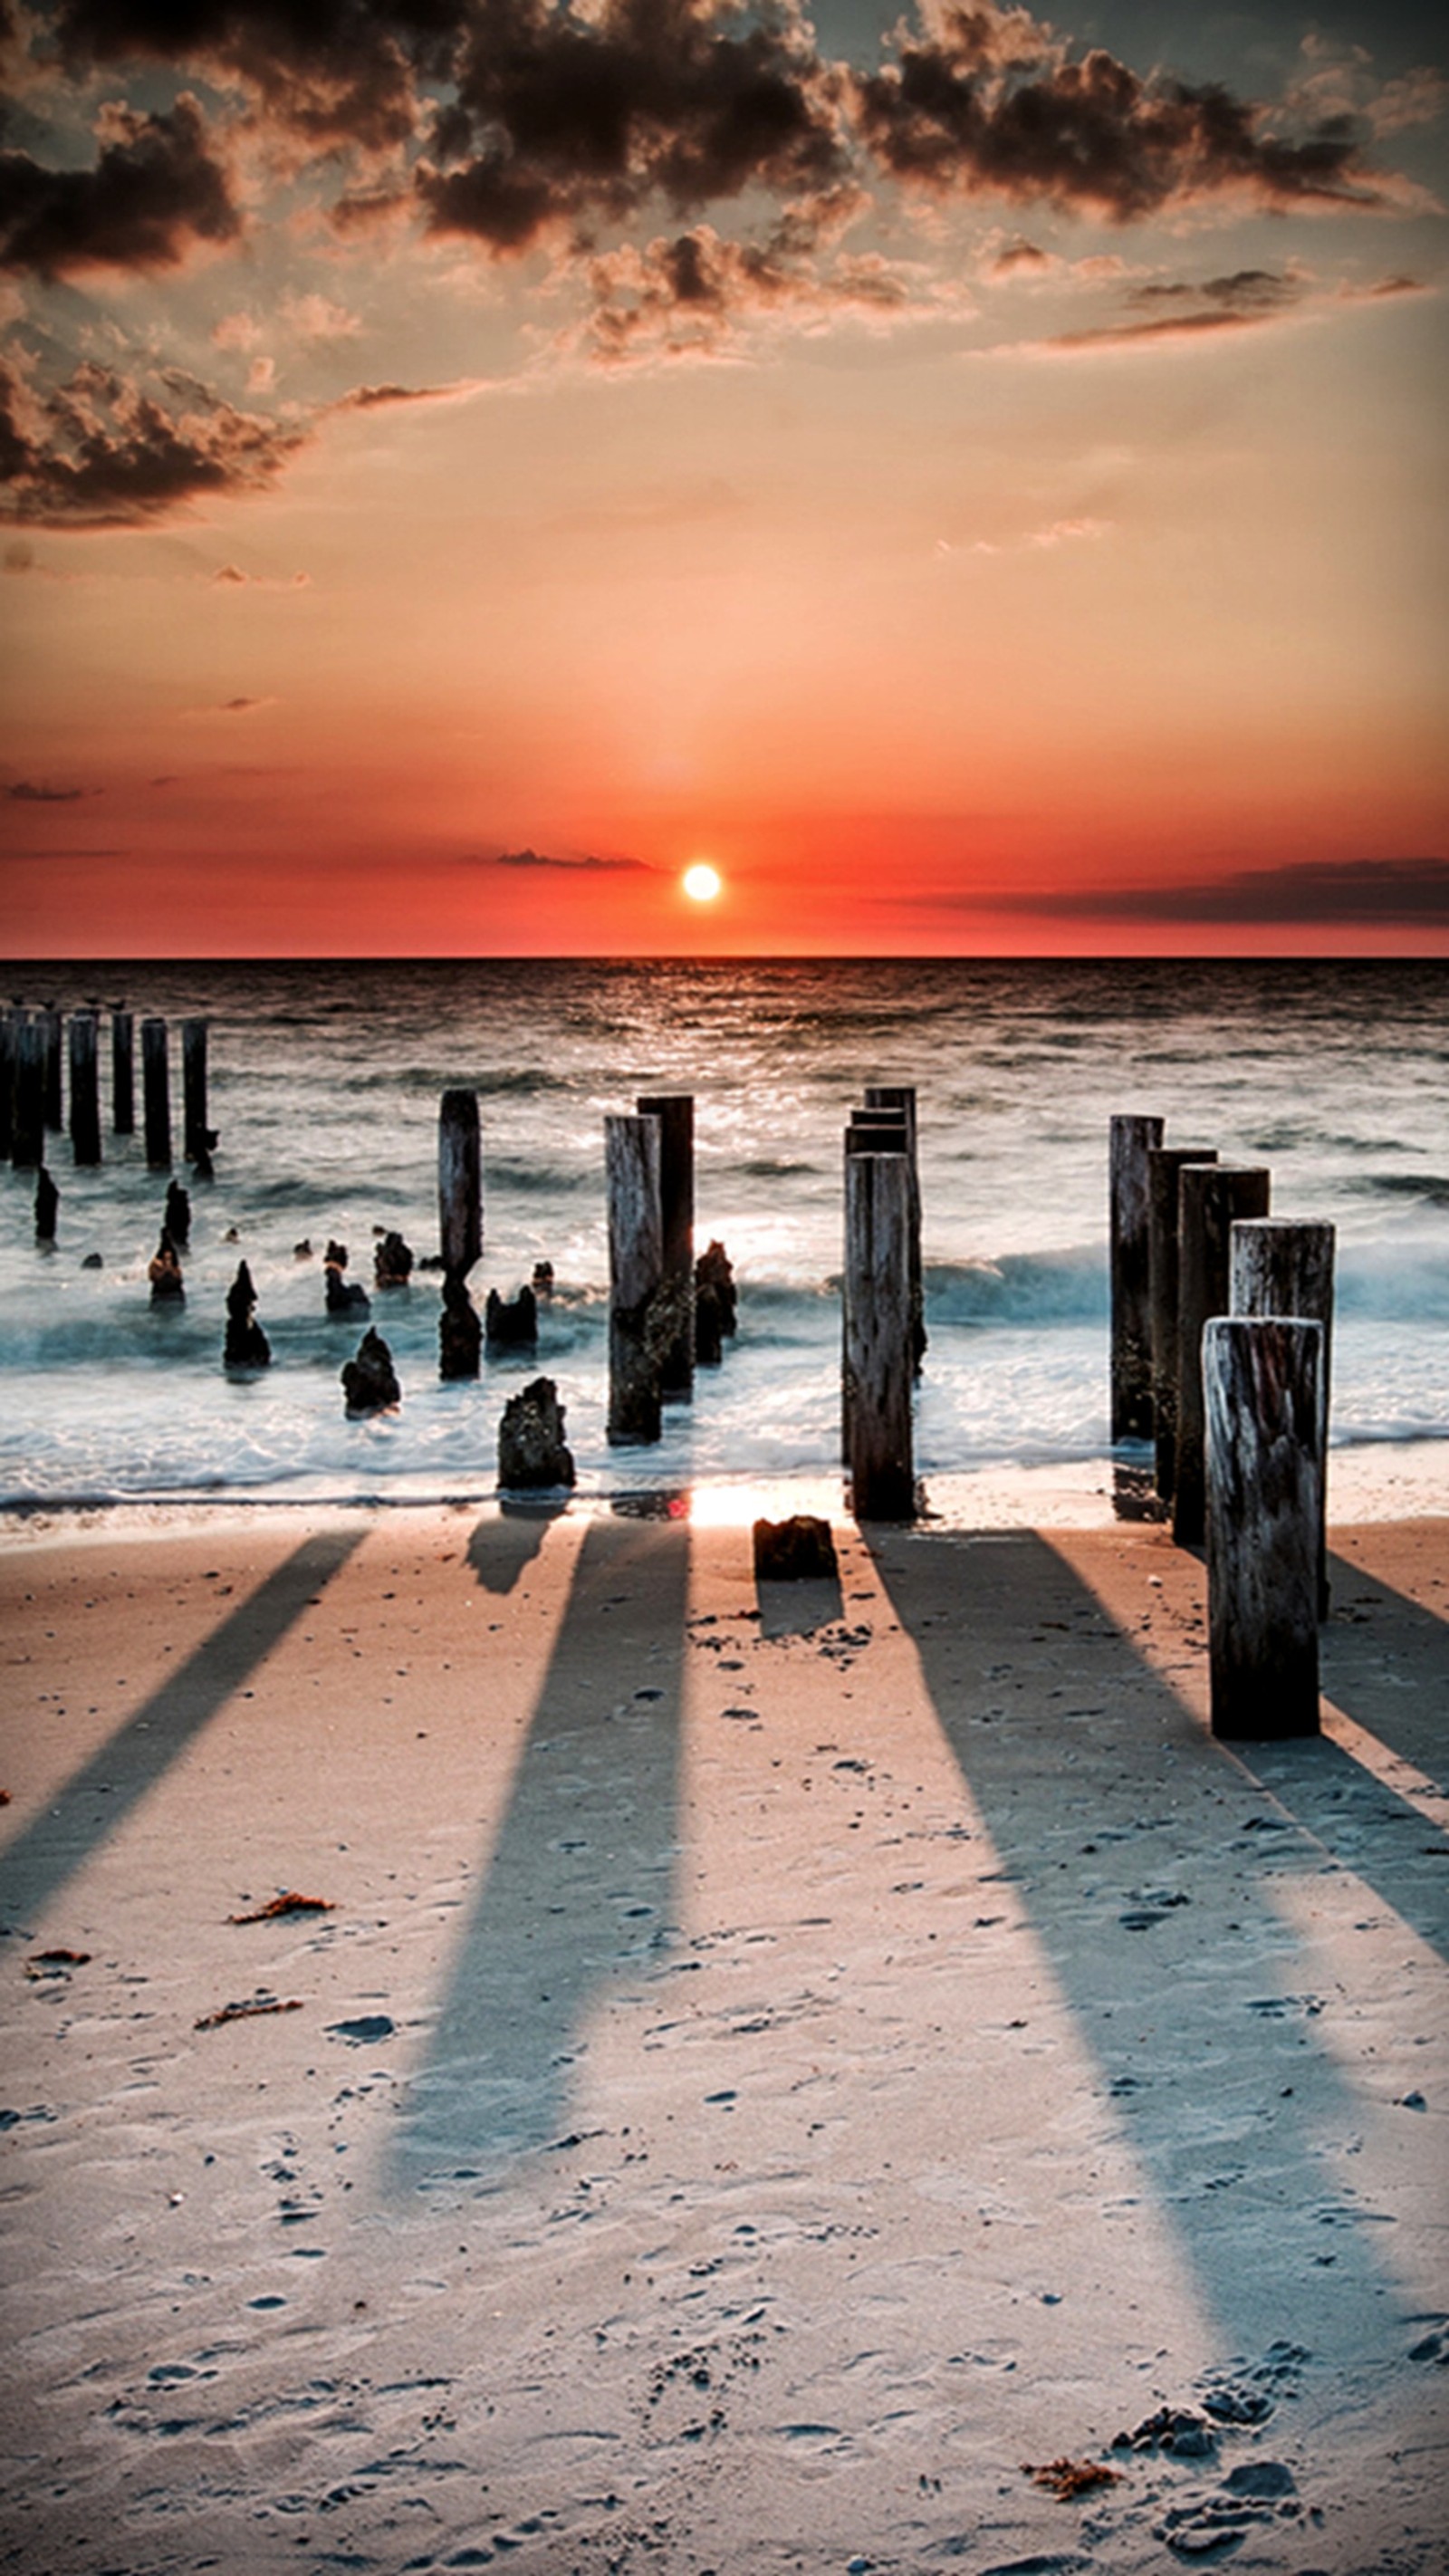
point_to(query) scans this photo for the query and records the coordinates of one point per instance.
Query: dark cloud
(692, 292)
(102, 451)
(574, 867)
(571, 119)
(988, 102)
(24, 793)
(1344, 892)
(331, 71)
(155, 192)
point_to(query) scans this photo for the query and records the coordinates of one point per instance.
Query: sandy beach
(759, 2076)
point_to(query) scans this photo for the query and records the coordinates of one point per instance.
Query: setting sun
(702, 882)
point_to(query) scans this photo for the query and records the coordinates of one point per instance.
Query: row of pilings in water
(33, 1047)
(1222, 1332)
(1221, 1329)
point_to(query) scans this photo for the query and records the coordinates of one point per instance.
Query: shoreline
(1369, 1482)
(759, 2066)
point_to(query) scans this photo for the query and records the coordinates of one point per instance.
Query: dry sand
(774, 2069)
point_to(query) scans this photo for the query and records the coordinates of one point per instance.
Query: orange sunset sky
(975, 479)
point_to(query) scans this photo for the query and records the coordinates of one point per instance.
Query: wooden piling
(632, 1157)
(123, 1074)
(1164, 1162)
(9, 1037)
(876, 1393)
(869, 1131)
(901, 1096)
(156, 1095)
(1278, 1266)
(460, 1183)
(1264, 1413)
(195, 1130)
(1210, 1197)
(50, 1023)
(27, 1146)
(675, 1113)
(1132, 1140)
(85, 1096)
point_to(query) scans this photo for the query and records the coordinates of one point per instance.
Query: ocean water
(325, 1082)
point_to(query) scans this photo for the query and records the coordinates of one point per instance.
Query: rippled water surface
(325, 1083)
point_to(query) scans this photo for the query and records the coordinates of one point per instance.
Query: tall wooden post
(27, 1147)
(1264, 1412)
(1210, 1196)
(50, 1025)
(9, 1039)
(1277, 1266)
(632, 1155)
(194, 1123)
(123, 1073)
(877, 1375)
(85, 1096)
(1164, 1163)
(870, 1131)
(675, 1113)
(901, 1097)
(156, 1095)
(460, 1183)
(1132, 1140)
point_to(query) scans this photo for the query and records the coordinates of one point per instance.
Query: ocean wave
(1067, 1287)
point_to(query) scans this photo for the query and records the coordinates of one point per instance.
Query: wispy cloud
(1345, 893)
(571, 867)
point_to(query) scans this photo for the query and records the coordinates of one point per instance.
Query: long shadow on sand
(502, 1548)
(1385, 1660)
(1161, 1882)
(578, 1892)
(95, 1802)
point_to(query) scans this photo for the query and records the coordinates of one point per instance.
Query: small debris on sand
(247, 2011)
(1069, 2478)
(289, 1902)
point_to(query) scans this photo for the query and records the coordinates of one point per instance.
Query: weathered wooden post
(9, 1037)
(675, 1113)
(460, 1231)
(1164, 1163)
(195, 1132)
(1264, 1408)
(877, 1375)
(869, 1131)
(1210, 1196)
(50, 1023)
(85, 1095)
(27, 1148)
(632, 1154)
(901, 1096)
(156, 1095)
(460, 1182)
(1277, 1266)
(1132, 1140)
(123, 1073)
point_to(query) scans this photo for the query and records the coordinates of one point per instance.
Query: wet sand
(762, 2073)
